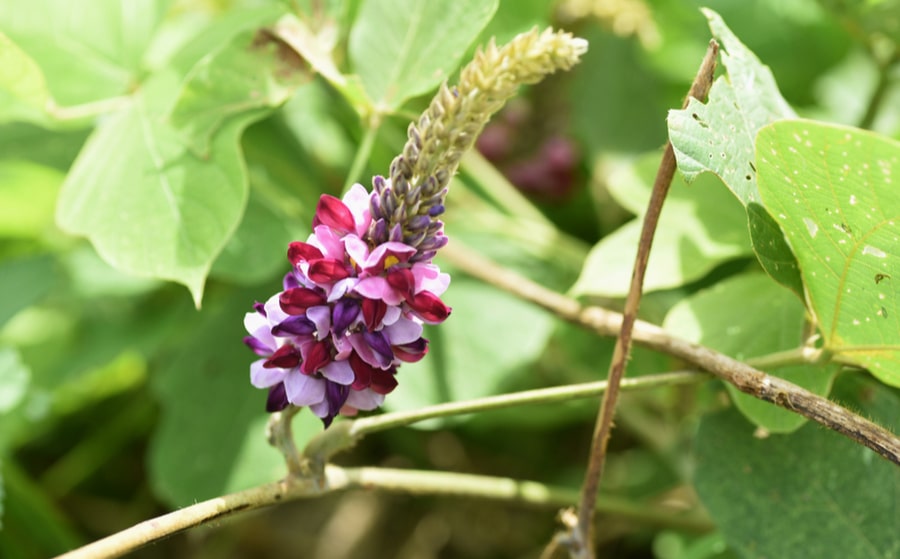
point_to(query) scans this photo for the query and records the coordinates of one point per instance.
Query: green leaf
(772, 250)
(23, 92)
(717, 318)
(86, 53)
(718, 136)
(29, 279)
(475, 353)
(14, 379)
(258, 249)
(211, 436)
(813, 493)
(700, 227)
(317, 48)
(149, 205)
(403, 48)
(27, 198)
(251, 71)
(831, 189)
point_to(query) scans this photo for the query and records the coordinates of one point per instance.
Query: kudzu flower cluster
(363, 284)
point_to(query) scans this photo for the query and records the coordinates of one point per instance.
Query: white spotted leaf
(718, 136)
(833, 190)
(403, 48)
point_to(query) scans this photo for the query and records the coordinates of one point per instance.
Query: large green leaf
(150, 205)
(718, 137)
(832, 190)
(23, 92)
(27, 198)
(403, 48)
(813, 493)
(718, 318)
(250, 71)
(701, 226)
(86, 52)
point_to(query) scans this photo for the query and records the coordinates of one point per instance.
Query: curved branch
(746, 378)
(387, 479)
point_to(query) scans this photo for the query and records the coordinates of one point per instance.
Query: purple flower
(350, 313)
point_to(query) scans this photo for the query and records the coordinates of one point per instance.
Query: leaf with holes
(403, 48)
(831, 189)
(718, 136)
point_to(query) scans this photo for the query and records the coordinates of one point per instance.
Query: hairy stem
(742, 375)
(580, 540)
(405, 481)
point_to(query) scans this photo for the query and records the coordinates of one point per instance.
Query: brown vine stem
(742, 375)
(335, 478)
(579, 536)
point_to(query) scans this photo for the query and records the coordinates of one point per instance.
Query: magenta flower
(351, 312)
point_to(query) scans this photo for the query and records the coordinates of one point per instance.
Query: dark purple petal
(419, 222)
(379, 231)
(334, 213)
(436, 210)
(260, 308)
(294, 326)
(335, 394)
(277, 399)
(298, 251)
(411, 352)
(345, 312)
(379, 343)
(257, 346)
(396, 234)
(291, 280)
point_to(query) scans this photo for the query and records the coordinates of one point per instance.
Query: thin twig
(742, 375)
(386, 479)
(345, 434)
(581, 538)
